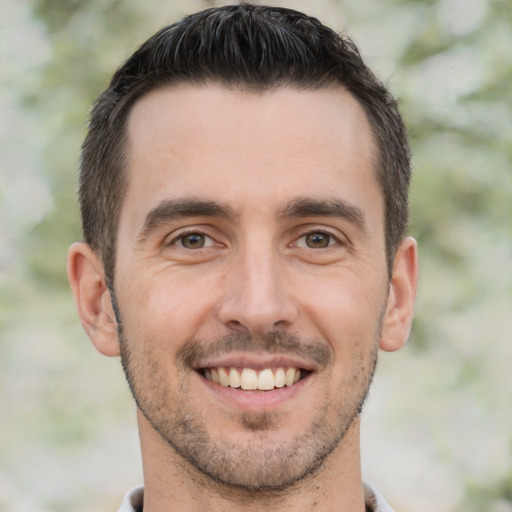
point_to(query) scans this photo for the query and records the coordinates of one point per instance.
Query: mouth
(250, 379)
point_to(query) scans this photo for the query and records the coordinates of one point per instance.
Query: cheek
(346, 304)
(167, 307)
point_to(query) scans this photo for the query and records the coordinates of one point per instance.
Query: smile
(250, 379)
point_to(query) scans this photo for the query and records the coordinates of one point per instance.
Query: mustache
(273, 342)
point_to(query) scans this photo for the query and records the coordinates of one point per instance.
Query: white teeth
(234, 378)
(215, 376)
(290, 376)
(250, 379)
(266, 380)
(223, 377)
(279, 378)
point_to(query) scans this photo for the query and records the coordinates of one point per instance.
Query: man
(243, 192)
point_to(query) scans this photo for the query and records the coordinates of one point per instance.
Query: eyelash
(321, 231)
(184, 234)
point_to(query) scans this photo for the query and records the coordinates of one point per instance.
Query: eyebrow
(336, 208)
(173, 209)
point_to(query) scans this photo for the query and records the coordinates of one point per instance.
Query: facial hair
(265, 462)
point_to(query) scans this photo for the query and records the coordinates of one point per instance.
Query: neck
(171, 480)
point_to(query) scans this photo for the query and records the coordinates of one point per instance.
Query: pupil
(317, 240)
(193, 241)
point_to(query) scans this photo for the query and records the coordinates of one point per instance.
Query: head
(244, 200)
(244, 47)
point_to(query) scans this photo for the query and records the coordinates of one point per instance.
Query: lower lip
(256, 401)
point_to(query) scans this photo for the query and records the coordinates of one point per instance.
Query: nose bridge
(256, 296)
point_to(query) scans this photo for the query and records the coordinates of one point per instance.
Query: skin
(288, 269)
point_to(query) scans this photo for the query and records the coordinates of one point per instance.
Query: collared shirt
(374, 501)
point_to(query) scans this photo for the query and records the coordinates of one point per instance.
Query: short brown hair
(246, 46)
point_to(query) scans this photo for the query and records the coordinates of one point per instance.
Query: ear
(92, 298)
(400, 306)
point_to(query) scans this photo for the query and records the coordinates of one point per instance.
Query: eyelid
(175, 236)
(208, 241)
(309, 230)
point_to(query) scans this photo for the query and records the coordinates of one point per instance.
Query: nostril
(235, 325)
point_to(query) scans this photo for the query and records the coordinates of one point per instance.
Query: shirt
(373, 500)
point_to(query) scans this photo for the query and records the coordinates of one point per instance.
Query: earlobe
(92, 298)
(400, 306)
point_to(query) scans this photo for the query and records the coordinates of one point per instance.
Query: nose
(256, 296)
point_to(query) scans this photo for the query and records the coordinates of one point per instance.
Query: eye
(316, 240)
(193, 241)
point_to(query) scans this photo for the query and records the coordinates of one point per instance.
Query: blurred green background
(437, 432)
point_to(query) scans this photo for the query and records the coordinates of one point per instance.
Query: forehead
(245, 148)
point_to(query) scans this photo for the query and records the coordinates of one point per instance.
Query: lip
(257, 362)
(255, 401)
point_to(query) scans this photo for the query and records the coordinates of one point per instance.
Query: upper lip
(256, 362)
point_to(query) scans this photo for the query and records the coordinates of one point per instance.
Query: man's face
(250, 253)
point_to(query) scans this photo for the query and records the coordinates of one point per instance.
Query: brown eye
(318, 240)
(193, 241)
